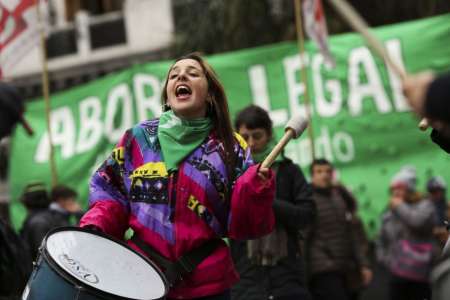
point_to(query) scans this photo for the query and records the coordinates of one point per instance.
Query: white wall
(149, 23)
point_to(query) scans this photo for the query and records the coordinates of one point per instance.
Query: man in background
(65, 209)
(335, 253)
(62, 211)
(36, 201)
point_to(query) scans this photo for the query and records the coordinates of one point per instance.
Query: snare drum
(75, 263)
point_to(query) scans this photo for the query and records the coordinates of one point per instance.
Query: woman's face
(187, 89)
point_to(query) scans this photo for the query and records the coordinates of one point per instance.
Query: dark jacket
(441, 140)
(15, 263)
(437, 105)
(333, 242)
(39, 223)
(294, 210)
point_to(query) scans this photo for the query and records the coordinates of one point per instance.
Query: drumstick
(358, 24)
(423, 124)
(294, 128)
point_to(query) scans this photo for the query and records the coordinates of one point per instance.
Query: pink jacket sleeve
(251, 214)
(108, 216)
(108, 204)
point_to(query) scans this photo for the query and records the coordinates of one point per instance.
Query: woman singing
(181, 183)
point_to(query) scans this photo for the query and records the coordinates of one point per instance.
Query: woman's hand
(263, 173)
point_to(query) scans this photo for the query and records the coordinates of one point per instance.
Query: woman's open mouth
(183, 92)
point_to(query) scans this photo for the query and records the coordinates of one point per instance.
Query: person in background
(356, 281)
(36, 200)
(428, 95)
(12, 109)
(335, 253)
(440, 275)
(272, 267)
(437, 189)
(64, 209)
(182, 183)
(406, 244)
(15, 261)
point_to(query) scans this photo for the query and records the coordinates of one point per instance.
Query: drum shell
(46, 283)
(51, 282)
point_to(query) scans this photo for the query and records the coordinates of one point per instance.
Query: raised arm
(420, 216)
(251, 214)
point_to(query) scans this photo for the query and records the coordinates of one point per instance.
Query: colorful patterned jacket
(174, 213)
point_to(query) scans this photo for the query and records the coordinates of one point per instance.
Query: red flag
(19, 31)
(316, 28)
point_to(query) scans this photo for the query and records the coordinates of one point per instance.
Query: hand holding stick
(294, 128)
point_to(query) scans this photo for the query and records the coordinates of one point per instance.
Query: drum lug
(36, 265)
(79, 289)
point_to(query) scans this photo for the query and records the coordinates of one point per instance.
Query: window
(61, 42)
(93, 7)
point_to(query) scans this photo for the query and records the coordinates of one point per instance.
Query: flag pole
(304, 74)
(351, 16)
(46, 94)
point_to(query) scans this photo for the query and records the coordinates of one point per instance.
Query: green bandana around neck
(260, 156)
(178, 137)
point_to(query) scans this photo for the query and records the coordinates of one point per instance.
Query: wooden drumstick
(294, 128)
(423, 125)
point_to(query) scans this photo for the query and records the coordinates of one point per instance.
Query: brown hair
(219, 112)
(319, 162)
(62, 192)
(254, 117)
(35, 196)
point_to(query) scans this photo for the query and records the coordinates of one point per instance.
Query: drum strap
(179, 269)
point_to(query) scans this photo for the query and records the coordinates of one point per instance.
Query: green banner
(361, 121)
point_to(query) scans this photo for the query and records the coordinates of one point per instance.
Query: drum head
(104, 264)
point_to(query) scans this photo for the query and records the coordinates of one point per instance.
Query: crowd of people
(270, 233)
(45, 211)
(318, 248)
